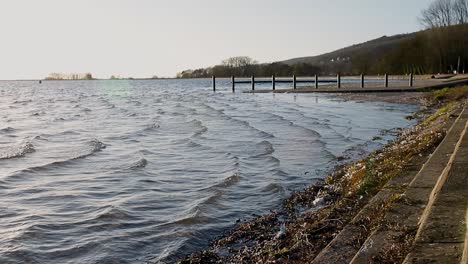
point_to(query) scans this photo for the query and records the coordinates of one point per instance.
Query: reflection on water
(135, 171)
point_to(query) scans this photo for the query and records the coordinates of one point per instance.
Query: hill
(377, 46)
(346, 59)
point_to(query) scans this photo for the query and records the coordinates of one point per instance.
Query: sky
(143, 38)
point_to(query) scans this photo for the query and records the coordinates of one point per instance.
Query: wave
(93, 146)
(229, 181)
(265, 147)
(151, 127)
(225, 183)
(274, 187)
(7, 130)
(112, 213)
(221, 113)
(141, 163)
(201, 129)
(23, 102)
(18, 152)
(191, 217)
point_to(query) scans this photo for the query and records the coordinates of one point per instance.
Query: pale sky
(142, 38)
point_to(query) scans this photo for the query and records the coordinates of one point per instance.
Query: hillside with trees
(442, 47)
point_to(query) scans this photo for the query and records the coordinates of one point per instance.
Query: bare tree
(444, 13)
(438, 14)
(460, 11)
(237, 62)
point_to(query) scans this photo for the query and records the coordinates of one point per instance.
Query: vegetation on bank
(309, 219)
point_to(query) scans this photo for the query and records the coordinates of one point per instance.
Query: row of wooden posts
(294, 81)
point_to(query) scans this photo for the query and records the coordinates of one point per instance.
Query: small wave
(274, 187)
(151, 127)
(38, 113)
(22, 102)
(7, 130)
(265, 147)
(226, 183)
(113, 213)
(231, 180)
(94, 146)
(201, 129)
(141, 163)
(18, 152)
(193, 216)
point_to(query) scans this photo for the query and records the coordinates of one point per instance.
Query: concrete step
(442, 233)
(404, 215)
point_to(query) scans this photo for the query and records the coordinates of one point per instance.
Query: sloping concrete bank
(442, 231)
(432, 211)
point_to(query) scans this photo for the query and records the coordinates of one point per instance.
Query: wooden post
(294, 82)
(338, 81)
(386, 80)
(273, 82)
(316, 81)
(214, 83)
(253, 83)
(362, 80)
(411, 80)
(233, 81)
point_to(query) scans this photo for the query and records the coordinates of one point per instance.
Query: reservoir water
(147, 171)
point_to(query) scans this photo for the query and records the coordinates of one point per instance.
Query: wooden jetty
(361, 84)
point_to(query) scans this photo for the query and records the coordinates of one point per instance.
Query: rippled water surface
(146, 171)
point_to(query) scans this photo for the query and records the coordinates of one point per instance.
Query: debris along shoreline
(310, 219)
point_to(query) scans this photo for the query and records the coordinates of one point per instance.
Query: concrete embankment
(442, 231)
(433, 207)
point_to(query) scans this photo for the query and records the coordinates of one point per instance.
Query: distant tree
(444, 13)
(240, 61)
(88, 76)
(460, 9)
(438, 14)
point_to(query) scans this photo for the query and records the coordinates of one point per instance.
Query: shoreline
(310, 219)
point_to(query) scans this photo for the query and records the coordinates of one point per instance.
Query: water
(146, 171)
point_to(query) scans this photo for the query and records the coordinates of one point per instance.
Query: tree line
(69, 76)
(243, 66)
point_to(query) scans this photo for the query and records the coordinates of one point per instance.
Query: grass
(450, 94)
(445, 97)
(438, 113)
